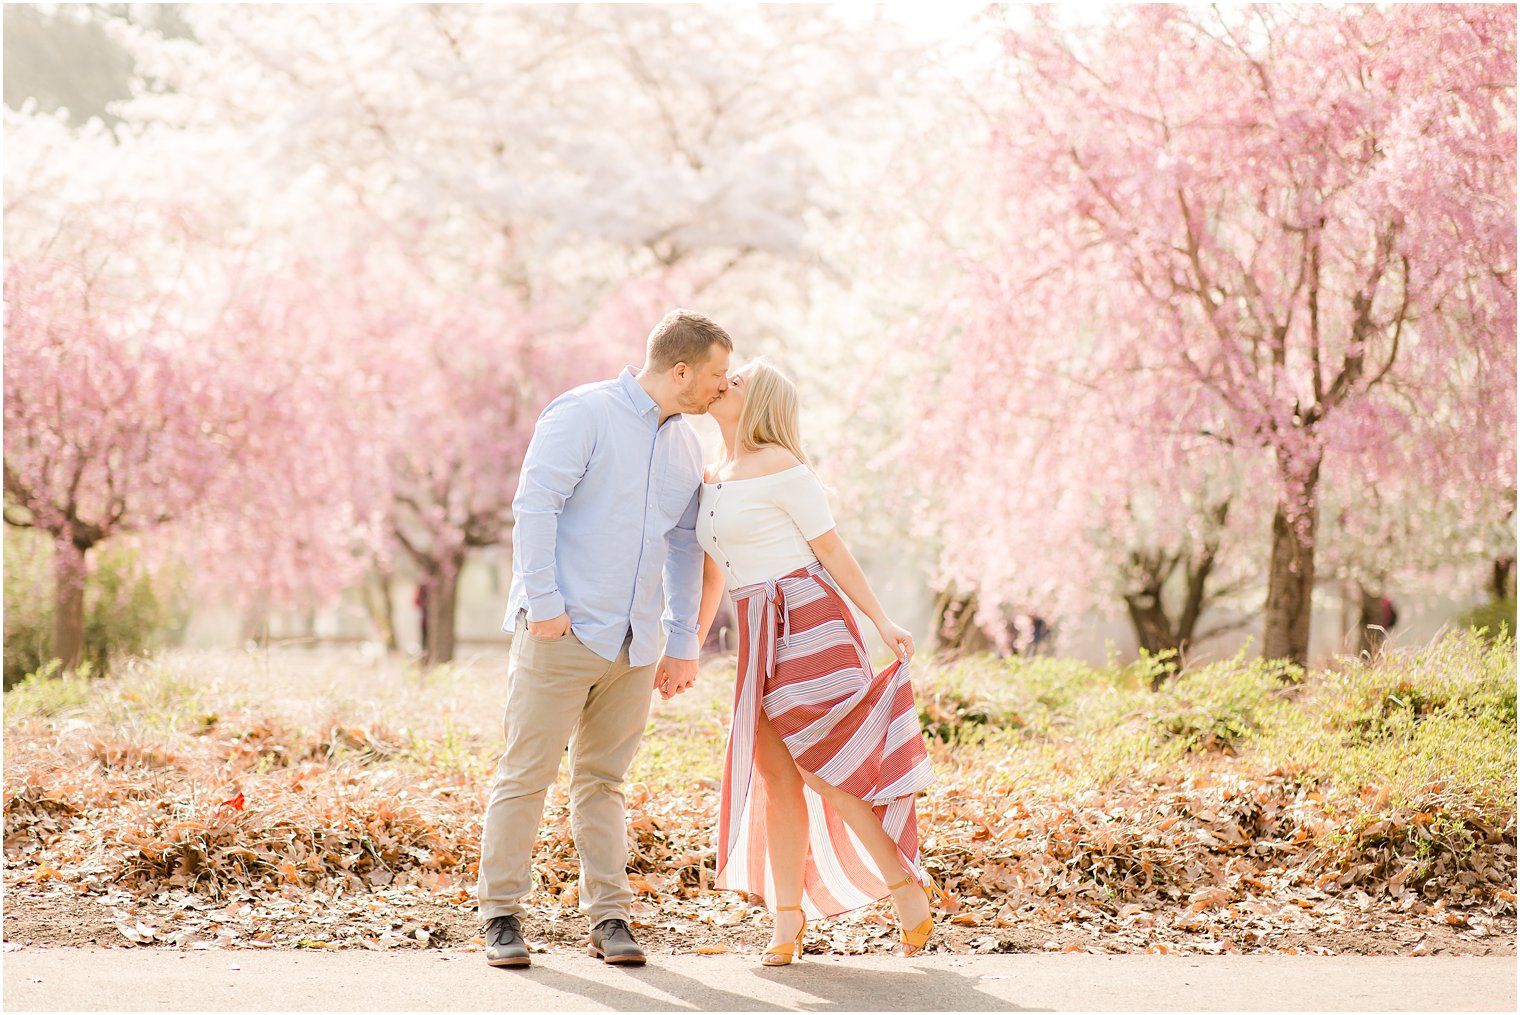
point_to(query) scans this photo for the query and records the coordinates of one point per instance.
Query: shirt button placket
(714, 514)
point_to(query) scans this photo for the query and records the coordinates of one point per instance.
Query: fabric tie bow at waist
(775, 598)
(774, 591)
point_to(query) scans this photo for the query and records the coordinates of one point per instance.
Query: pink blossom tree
(566, 149)
(1293, 227)
(86, 434)
(1055, 482)
(460, 376)
(122, 417)
(167, 380)
(525, 171)
(1421, 511)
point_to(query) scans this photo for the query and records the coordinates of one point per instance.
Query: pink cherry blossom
(1236, 256)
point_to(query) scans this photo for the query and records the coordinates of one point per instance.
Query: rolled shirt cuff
(545, 607)
(681, 645)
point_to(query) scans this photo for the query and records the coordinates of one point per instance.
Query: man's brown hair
(684, 336)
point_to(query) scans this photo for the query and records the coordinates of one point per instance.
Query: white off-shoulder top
(758, 529)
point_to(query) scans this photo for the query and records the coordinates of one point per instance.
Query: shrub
(1431, 728)
(124, 611)
(1036, 697)
(28, 604)
(46, 692)
(1463, 672)
(1153, 670)
(1495, 618)
(946, 714)
(1215, 707)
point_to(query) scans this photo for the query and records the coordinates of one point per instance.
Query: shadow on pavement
(699, 996)
(841, 987)
(808, 986)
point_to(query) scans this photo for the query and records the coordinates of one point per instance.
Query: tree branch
(1398, 325)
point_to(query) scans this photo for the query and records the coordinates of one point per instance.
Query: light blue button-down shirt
(606, 514)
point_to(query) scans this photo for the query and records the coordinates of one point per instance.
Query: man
(606, 508)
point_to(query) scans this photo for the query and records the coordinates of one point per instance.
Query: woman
(821, 746)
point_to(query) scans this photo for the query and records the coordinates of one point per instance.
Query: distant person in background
(1379, 616)
(1025, 634)
(604, 532)
(825, 756)
(1039, 635)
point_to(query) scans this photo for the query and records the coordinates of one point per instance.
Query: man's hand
(673, 676)
(556, 628)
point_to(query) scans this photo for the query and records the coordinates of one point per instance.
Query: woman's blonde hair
(772, 410)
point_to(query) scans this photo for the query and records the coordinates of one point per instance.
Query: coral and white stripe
(802, 661)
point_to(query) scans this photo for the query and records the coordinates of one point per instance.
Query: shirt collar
(642, 403)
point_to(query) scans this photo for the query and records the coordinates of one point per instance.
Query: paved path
(154, 979)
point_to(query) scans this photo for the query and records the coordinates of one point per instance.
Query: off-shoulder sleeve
(801, 495)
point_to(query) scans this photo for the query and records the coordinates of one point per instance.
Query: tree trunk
(1290, 580)
(1155, 631)
(1503, 585)
(375, 592)
(68, 604)
(1199, 568)
(956, 632)
(442, 587)
(1153, 628)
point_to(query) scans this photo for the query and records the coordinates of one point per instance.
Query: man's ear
(681, 372)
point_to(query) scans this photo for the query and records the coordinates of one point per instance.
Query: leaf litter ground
(300, 799)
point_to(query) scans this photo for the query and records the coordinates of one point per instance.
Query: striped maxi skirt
(802, 662)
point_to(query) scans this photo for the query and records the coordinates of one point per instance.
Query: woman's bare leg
(786, 826)
(910, 902)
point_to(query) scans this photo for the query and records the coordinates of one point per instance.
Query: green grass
(1438, 720)
(685, 738)
(45, 694)
(1433, 723)
(1078, 782)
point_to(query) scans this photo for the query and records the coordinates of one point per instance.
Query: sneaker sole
(615, 960)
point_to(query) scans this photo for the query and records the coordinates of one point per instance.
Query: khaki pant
(559, 692)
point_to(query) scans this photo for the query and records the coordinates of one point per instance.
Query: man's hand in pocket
(556, 628)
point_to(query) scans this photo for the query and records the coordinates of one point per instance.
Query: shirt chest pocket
(678, 485)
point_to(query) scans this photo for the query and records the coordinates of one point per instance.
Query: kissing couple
(621, 535)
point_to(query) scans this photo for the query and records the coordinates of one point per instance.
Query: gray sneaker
(613, 943)
(504, 942)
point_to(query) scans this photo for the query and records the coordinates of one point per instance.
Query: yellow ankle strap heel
(781, 955)
(913, 940)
